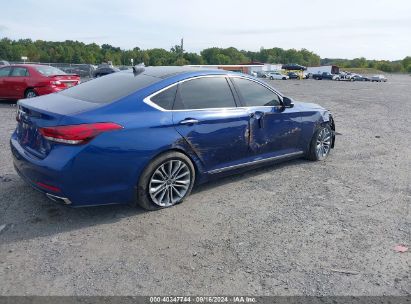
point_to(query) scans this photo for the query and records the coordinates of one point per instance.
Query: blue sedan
(148, 135)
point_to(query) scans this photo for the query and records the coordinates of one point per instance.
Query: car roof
(169, 71)
(26, 65)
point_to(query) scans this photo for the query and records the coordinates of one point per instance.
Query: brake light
(77, 134)
(55, 82)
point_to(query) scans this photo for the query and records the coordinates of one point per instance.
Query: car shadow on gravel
(28, 214)
(7, 102)
(248, 173)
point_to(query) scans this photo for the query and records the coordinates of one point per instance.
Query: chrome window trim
(147, 100)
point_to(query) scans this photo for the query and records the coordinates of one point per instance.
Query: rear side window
(19, 72)
(255, 94)
(46, 70)
(109, 88)
(4, 72)
(203, 93)
(165, 99)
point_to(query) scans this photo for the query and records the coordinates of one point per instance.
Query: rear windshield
(109, 88)
(49, 71)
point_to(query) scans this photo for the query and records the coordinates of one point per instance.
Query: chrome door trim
(259, 161)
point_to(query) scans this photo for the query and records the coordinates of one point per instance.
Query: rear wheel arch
(182, 151)
(29, 89)
(141, 197)
(192, 158)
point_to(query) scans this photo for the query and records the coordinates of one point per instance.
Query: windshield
(49, 71)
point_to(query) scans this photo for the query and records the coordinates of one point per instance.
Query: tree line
(78, 52)
(382, 65)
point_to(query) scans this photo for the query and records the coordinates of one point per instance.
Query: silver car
(378, 78)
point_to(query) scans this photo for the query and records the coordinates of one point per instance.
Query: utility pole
(182, 47)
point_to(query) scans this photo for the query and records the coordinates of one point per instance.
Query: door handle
(189, 121)
(259, 116)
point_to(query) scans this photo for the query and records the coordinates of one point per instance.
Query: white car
(277, 75)
(307, 75)
(378, 78)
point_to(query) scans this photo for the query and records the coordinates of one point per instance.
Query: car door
(4, 73)
(17, 82)
(206, 115)
(274, 129)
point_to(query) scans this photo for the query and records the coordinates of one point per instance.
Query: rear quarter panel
(118, 158)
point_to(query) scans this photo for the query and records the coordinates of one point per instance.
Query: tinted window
(255, 94)
(49, 71)
(203, 93)
(165, 99)
(109, 88)
(19, 72)
(4, 72)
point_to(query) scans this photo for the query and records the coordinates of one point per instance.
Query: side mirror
(287, 102)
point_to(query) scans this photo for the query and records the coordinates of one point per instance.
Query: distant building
(246, 68)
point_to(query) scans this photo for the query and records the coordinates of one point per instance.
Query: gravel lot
(298, 228)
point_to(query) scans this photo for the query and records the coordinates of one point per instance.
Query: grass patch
(363, 70)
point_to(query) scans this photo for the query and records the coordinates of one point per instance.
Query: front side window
(165, 99)
(19, 72)
(255, 94)
(205, 93)
(4, 72)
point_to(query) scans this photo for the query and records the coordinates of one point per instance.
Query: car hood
(304, 106)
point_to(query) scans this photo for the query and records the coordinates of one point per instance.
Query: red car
(30, 80)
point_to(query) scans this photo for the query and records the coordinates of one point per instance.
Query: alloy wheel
(31, 94)
(323, 144)
(169, 183)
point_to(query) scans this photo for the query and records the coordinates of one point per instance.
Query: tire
(284, 78)
(172, 190)
(317, 152)
(30, 94)
(271, 78)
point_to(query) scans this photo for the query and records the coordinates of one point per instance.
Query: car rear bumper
(79, 180)
(33, 174)
(53, 197)
(47, 90)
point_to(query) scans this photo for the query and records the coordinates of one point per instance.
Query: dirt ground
(297, 228)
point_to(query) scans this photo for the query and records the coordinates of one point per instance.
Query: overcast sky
(376, 29)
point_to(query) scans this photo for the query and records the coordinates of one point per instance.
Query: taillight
(48, 187)
(77, 134)
(55, 82)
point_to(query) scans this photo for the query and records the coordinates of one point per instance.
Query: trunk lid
(65, 81)
(44, 111)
